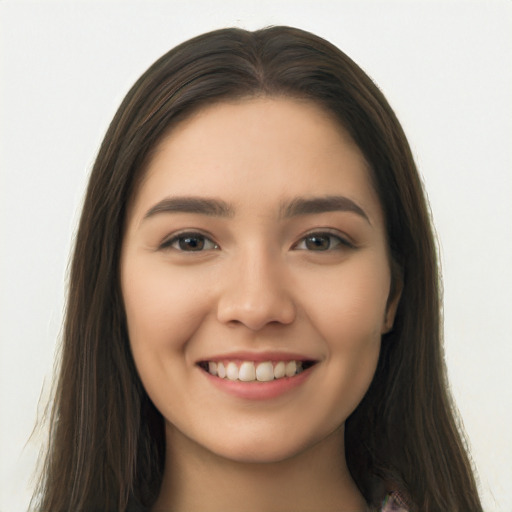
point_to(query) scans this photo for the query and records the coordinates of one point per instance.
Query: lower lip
(256, 390)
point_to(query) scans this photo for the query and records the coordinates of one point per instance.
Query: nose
(255, 294)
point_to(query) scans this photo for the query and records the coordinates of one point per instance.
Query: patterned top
(394, 502)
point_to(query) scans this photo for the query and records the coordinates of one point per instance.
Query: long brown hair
(106, 438)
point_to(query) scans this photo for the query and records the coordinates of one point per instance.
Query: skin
(259, 284)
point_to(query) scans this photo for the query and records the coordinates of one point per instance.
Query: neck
(196, 479)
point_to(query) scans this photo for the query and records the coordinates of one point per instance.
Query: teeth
(232, 371)
(280, 370)
(290, 369)
(248, 371)
(265, 371)
(221, 371)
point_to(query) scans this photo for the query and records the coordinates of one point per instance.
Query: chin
(262, 454)
(270, 449)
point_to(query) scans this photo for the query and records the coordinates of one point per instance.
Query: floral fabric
(394, 502)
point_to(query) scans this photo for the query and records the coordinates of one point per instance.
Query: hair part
(106, 438)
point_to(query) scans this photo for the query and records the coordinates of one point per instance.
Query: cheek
(349, 307)
(352, 327)
(162, 311)
(353, 344)
(348, 312)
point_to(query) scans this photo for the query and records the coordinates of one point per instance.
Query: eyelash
(339, 241)
(168, 244)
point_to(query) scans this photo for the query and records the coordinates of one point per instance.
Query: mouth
(255, 371)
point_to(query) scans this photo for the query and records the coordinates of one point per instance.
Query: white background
(446, 68)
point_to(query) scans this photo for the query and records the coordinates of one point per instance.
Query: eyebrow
(200, 205)
(218, 208)
(308, 206)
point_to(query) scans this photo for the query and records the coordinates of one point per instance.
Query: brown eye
(190, 242)
(318, 242)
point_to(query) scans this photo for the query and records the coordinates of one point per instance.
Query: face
(255, 277)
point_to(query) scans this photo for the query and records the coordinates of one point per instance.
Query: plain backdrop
(446, 68)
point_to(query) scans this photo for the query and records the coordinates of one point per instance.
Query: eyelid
(169, 241)
(343, 239)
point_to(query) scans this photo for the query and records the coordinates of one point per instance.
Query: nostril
(255, 302)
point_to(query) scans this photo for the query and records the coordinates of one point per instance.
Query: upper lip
(259, 356)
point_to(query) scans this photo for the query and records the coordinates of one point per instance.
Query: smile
(251, 371)
(257, 376)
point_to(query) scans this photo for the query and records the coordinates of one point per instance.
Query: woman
(253, 314)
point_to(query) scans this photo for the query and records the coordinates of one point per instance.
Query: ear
(392, 305)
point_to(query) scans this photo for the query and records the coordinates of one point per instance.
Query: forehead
(258, 150)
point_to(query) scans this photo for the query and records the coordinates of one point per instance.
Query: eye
(190, 242)
(319, 242)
